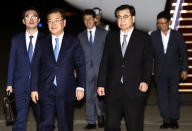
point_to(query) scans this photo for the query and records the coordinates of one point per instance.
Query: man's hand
(79, 94)
(143, 87)
(184, 75)
(9, 90)
(101, 91)
(34, 96)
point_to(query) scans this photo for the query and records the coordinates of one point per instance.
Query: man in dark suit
(92, 41)
(53, 81)
(171, 64)
(125, 72)
(19, 71)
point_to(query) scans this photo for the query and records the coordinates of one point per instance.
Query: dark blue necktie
(56, 53)
(90, 39)
(30, 48)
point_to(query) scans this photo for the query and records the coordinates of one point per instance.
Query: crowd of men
(111, 69)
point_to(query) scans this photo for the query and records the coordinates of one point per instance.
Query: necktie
(90, 39)
(124, 45)
(123, 49)
(56, 50)
(30, 48)
(56, 53)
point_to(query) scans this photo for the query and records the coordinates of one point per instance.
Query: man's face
(89, 21)
(124, 20)
(163, 24)
(98, 18)
(31, 19)
(56, 23)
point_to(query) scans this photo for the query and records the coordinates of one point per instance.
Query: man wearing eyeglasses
(23, 47)
(125, 72)
(171, 64)
(53, 81)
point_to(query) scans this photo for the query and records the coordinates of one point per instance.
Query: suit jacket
(45, 67)
(19, 69)
(93, 54)
(170, 63)
(135, 67)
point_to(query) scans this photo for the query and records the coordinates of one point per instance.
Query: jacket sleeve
(148, 55)
(80, 65)
(11, 66)
(101, 82)
(35, 68)
(183, 52)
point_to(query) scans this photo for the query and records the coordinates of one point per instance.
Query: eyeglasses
(123, 17)
(162, 23)
(30, 17)
(55, 21)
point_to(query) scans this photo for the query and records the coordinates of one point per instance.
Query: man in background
(171, 64)
(98, 20)
(92, 40)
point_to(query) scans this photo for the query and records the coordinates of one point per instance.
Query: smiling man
(53, 81)
(125, 72)
(92, 40)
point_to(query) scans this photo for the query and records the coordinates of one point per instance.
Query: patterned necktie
(30, 48)
(124, 45)
(123, 49)
(56, 53)
(90, 39)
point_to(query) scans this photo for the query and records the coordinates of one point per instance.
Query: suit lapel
(118, 44)
(160, 43)
(24, 47)
(62, 49)
(96, 37)
(50, 47)
(86, 39)
(169, 42)
(130, 43)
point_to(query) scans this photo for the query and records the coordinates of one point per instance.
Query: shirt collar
(92, 30)
(34, 34)
(168, 33)
(129, 33)
(60, 36)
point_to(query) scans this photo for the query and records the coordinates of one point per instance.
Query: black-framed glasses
(124, 17)
(54, 21)
(28, 17)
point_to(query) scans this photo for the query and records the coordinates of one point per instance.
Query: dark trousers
(51, 105)
(131, 108)
(168, 98)
(22, 104)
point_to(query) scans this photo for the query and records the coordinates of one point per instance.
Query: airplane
(146, 10)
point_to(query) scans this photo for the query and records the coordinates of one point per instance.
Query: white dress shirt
(33, 40)
(92, 32)
(54, 41)
(128, 36)
(60, 42)
(165, 40)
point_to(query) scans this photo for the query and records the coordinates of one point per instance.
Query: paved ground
(151, 123)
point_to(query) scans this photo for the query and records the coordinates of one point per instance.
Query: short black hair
(30, 8)
(89, 12)
(164, 14)
(57, 10)
(123, 7)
